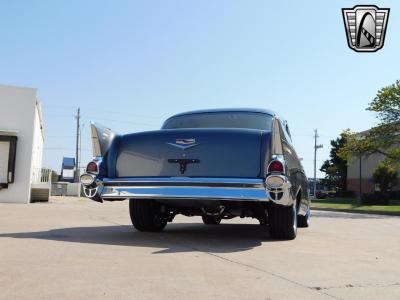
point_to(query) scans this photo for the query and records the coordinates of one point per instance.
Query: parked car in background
(217, 164)
(320, 194)
(323, 194)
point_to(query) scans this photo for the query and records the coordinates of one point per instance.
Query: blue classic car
(217, 164)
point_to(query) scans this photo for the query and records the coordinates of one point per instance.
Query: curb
(353, 211)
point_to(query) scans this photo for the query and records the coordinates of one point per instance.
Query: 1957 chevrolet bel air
(217, 164)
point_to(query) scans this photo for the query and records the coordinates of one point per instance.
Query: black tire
(304, 221)
(145, 215)
(283, 222)
(211, 220)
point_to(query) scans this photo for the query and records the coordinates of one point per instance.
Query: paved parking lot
(77, 249)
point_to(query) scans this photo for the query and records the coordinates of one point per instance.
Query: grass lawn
(351, 204)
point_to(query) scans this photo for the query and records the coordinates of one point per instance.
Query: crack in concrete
(104, 219)
(267, 272)
(319, 288)
(256, 269)
(316, 289)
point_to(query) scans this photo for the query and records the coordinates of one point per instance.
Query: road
(78, 249)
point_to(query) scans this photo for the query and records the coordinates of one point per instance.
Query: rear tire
(304, 221)
(211, 220)
(283, 222)
(146, 215)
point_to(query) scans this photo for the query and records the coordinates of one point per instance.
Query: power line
(66, 148)
(59, 136)
(320, 160)
(119, 113)
(53, 106)
(123, 121)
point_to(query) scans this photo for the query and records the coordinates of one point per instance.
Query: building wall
(38, 140)
(368, 166)
(367, 186)
(17, 112)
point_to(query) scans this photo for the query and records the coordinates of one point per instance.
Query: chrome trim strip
(254, 181)
(185, 182)
(194, 193)
(242, 189)
(276, 141)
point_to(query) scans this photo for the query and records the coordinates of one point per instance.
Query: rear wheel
(146, 215)
(283, 221)
(211, 220)
(304, 221)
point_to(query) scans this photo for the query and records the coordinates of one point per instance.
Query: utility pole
(360, 180)
(78, 117)
(80, 145)
(316, 147)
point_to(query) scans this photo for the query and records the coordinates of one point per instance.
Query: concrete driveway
(78, 249)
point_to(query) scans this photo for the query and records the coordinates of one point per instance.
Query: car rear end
(212, 164)
(202, 164)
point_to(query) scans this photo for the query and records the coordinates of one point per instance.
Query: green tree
(54, 176)
(335, 168)
(387, 103)
(385, 177)
(384, 138)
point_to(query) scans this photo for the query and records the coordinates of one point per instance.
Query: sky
(131, 64)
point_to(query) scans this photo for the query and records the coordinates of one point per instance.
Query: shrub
(385, 177)
(377, 198)
(394, 195)
(348, 194)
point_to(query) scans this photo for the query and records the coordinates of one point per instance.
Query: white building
(21, 145)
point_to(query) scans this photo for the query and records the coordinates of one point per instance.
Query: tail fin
(102, 138)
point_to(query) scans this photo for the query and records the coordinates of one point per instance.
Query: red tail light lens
(92, 167)
(275, 166)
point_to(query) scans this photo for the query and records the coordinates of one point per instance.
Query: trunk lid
(203, 152)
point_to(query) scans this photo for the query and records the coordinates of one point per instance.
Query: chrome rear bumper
(185, 188)
(236, 189)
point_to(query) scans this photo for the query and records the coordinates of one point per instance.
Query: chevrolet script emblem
(184, 143)
(365, 27)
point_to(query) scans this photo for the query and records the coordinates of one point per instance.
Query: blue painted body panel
(220, 152)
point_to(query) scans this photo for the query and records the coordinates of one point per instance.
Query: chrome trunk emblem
(184, 143)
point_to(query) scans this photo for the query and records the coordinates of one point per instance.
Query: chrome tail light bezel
(87, 179)
(281, 160)
(88, 171)
(274, 181)
(278, 187)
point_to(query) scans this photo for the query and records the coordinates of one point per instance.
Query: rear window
(248, 120)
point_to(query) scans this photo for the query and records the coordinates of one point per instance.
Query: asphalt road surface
(78, 249)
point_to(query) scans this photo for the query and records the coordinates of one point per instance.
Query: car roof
(217, 110)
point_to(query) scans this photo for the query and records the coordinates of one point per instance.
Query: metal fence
(41, 179)
(66, 189)
(41, 175)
